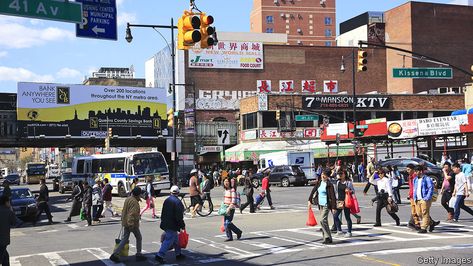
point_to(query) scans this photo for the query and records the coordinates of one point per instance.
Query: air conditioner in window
(322, 2)
(276, 2)
(455, 90)
(299, 42)
(299, 31)
(282, 15)
(442, 90)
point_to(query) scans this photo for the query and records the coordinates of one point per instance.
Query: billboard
(87, 111)
(233, 55)
(329, 102)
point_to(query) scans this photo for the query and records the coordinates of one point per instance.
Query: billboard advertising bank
(87, 111)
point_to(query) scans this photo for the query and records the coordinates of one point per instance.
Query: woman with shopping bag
(343, 187)
(230, 199)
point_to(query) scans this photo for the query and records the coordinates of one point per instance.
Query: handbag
(340, 204)
(392, 207)
(183, 238)
(311, 221)
(223, 209)
(124, 252)
(452, 202)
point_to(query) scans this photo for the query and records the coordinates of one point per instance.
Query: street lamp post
(129, 38)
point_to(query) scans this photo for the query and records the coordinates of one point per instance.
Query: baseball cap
(193, 171)
(175, 190)
(136, 191)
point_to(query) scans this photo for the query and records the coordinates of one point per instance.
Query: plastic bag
(183, 238)
(452, 201)
(348, 200)
(223, 209)
(222, 227)
(82, 215)
(125, 251)
(311, 221)
(356, 206)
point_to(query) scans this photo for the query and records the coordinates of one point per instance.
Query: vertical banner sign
(263, 86)
(189, 121)
(308, 86)
(286, 86)
(262, 102)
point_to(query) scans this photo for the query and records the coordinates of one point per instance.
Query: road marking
(103, 256)
(364, 257)
(241, 254)
(73, 226)
(273, 249)
(292, 240)
(47, 231)
(55, 259)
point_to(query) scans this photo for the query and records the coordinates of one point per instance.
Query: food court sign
(232, 55)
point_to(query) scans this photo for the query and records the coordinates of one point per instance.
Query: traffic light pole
(355, 172)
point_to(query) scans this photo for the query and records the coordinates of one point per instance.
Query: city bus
(121, 168)
(34, 172)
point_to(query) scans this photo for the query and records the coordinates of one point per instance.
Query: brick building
(306, 22)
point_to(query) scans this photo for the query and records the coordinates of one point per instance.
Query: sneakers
(433, 225)
(348, 234)
(272, 207)
(139, 257)
(180, 257)
(339, 233)
(115, 258)
(67, 220)
(455, 221)
(422, 231)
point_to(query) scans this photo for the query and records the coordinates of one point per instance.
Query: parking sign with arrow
(99, 20)
(223, 136)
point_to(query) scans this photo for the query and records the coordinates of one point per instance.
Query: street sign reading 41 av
(423, 73)
(43, 9)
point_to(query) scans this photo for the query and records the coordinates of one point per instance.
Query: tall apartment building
(306, 22)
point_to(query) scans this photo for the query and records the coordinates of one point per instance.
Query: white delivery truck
(305, 159)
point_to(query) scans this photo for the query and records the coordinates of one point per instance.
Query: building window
(328, 43)
(269, 19)
(249, 121)
(269, 119)
(269, 30)
(328, 33)
(328, 21)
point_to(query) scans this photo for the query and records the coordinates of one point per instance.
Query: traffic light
(171, 118)
(362, 61)
(208, 34)
(188, 30)
(278, 115)
(110, 132)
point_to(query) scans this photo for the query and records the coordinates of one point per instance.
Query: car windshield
(21, 194)
(12, 177)
(426, 163)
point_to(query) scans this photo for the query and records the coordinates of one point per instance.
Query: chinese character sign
(308, 86)
(330, 86)
(263, 86)
(286, 86)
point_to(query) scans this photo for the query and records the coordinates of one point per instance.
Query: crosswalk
(286, 241)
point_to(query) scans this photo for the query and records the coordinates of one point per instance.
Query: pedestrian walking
(248, 190)
(7, 220)
(267, 191)
(6, 189)
(149, 197)
(216, 177)
(423, 191)
(87, 203)
(230, 199)
(134, 184)
(194, 192)
(448, 185)
(396, 181)
(206, 186)
(323, 195)
(76, 196)
(344, 185)
(372, 176)
(97, 201)
(131, 224)
(107, 198)
(384, 197)
(43, 202)
(414, 220)
(172, 221)
(461, 192)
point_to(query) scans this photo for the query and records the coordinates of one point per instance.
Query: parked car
(13, 179)
(432, 170)
(65, 183)
(23, 203)
(284, 175)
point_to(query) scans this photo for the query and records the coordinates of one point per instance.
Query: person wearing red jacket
(265, 187)
(414, 221)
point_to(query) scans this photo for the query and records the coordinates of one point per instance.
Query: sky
(33, 50)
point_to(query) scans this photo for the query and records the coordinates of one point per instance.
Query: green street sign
(301, 118)
(43, 9)
(423, 73)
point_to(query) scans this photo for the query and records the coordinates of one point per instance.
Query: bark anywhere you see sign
(223, 136)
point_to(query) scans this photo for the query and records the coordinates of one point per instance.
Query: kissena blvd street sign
(301, 118)
(99, 20)
(43, 9)
(423, 73)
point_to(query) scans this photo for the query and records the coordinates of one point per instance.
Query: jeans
(396, 195)
(126, 236)
(446, 196)
(97, 211)
(324, 223)
(44, 207)
(4, 256)
(460, 204)
(229, 226)
(338, 223)
(170, 239)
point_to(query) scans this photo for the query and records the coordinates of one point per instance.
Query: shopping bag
(356, 206)
(348, 200)
(452, 201)
(223, 209)
(311, 221)
(124, 252)
(183, 238)
(82, 214)
(222, 227)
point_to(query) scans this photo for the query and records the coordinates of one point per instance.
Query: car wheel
(255, 182)
(285, 182)
(121, 191)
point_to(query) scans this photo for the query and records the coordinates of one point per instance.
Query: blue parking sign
(99, 20)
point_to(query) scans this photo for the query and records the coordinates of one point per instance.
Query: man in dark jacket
(76, 196)
(107, 198)
(172, 221)
(43, 202)
(248, 191)
(323, 195)
(7, 220)
(87, 203)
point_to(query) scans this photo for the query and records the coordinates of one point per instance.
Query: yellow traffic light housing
(188, 33)
(171, 118)
(362, 61)
(278, 115)
(207, 32)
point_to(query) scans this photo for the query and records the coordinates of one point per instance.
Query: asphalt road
(270, 237)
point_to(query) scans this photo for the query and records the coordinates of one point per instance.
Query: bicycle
(205, 210)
